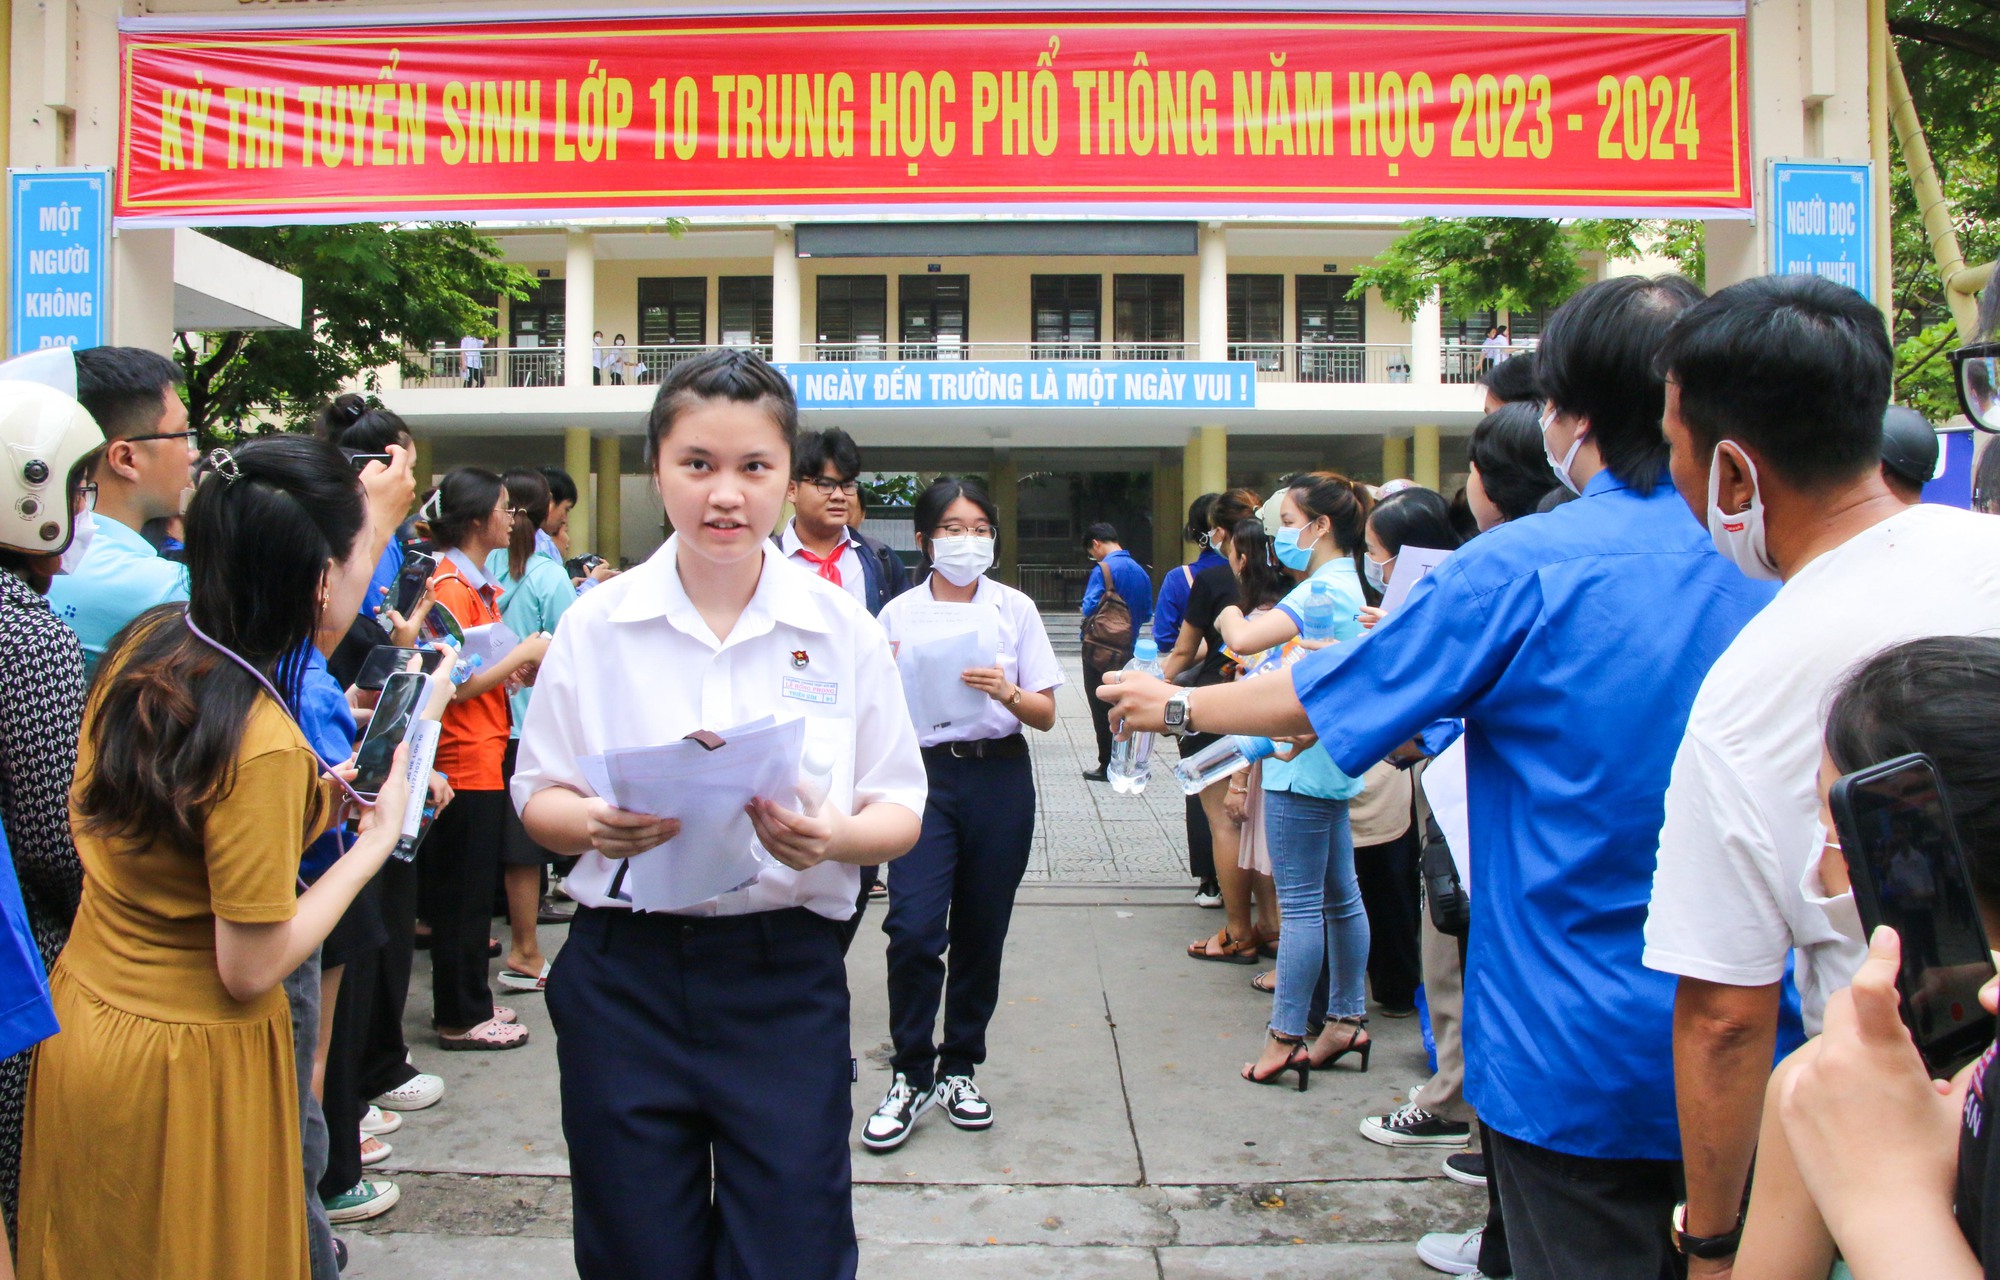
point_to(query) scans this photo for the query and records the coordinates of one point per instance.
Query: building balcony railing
(489, 367)
(1462, 362)
(1326, 361)
(946, 349)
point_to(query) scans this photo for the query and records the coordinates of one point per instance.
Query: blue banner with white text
(1024, 384)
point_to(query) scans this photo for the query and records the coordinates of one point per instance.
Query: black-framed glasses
(188, 437)
(827, 487)
(961, 531)
(1975, 369)
(88, 492)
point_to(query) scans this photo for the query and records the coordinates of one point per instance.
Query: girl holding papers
(977, 666)
(470, 517)
(704, 1049)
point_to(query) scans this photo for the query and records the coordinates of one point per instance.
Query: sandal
(1299, 1060)
(491, 1035)
(515, 980)
(1232, 951)
(1266, 982)
(501, 1013)
(1268, 947)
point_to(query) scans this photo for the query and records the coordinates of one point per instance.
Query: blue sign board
(59, 227)
(1823, 222)
(1024, 384)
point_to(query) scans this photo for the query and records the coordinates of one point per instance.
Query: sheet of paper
(717, 848)
(936, 642)
(1413, 565)
(489, 643)
(1444, 788)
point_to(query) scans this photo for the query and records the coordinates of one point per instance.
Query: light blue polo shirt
(1312, 772)
(120, 578)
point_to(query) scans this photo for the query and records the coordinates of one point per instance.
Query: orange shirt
(471, 748)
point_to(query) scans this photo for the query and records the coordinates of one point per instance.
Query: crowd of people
(1548, 761)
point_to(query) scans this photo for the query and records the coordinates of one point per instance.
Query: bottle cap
(817, 760)
(1147, 650)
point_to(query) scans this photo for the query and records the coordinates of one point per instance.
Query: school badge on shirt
(799, 659)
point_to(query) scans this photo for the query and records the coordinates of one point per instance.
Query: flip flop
(515, 980)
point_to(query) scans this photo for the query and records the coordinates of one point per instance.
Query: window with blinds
(933, 316)
(743, 304)
(1069, 312)
(1257, 320)
(853, 317)
(1333, 330)
(1147, 315)
(673, 311)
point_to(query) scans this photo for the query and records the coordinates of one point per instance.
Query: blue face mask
(1285, 545)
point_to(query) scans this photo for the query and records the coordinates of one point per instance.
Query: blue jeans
(1319, 902)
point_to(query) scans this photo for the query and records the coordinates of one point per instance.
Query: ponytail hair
(462, 500)
(528, 494)
(1343, 503)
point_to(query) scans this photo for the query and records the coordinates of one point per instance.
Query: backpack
(1108, 634)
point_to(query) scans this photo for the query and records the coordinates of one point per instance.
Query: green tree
(372, 292)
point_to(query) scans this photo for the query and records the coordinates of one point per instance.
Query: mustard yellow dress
(162, 1134)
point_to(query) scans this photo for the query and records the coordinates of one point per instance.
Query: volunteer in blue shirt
(145, 468)
(705, 1052)
(1167, 613)
(1129, 579)
(1572, 645)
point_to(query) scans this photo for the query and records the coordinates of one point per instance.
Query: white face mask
(1377, 571)
(1560, 468)
(961, 560)
(1740, 537)
(83, 529)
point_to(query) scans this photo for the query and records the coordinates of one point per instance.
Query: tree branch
(1947, 37)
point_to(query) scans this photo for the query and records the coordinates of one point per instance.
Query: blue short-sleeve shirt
(1572, 645)
(1312, 772)
(120, 578)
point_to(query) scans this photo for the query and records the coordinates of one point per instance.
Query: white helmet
(43, 435)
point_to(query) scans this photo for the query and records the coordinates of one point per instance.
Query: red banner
(1193, 113)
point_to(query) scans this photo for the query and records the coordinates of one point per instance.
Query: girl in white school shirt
(955, 889)
(705, 1054)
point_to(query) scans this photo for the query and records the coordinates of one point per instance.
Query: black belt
(1012, 747)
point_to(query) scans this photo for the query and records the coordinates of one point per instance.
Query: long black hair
(1345, 505)
(528, 494)
(726, 373)
(933, 502)
(1939, 695)
(461, 502)
(263, 530)
(1259, 581)
(1416, 517)
(360, 427)
(1513, 463)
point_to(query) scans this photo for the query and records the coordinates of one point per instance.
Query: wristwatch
(1015, 701)
(1722, 1246)
(1179, 715)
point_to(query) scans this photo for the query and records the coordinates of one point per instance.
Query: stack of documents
(937, 641)
(707, 791)
(1413, 565)
(489, 643)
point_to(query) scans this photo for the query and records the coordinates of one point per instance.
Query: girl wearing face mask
(614, 361)
(955, 889)
(1322, 520)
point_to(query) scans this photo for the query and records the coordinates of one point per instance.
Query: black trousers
(1570, 1216)
(380, 982)
(851, 926)
(705, 1092)
(1390, 885)
(459, 865)
(1200, 836)
(955, 892)
(1100, 712)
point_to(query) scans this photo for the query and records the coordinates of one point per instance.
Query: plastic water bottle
(1318, 613)
(1132, 760)
(1220, 759)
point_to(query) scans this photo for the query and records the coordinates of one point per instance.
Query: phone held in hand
(402, 700)
(1909, 873)
(418, 566)
(362, 461)
(385, 660)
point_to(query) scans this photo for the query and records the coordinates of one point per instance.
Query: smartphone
(360, 461)
(385, 660)
(418, 566)
(402, 699)
(1909, 873)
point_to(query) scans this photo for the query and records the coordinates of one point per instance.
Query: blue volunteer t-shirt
(328, 723)
(26, 1017)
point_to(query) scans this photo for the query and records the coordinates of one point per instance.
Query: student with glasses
(825, 495)
(140, 476)
(955, 890)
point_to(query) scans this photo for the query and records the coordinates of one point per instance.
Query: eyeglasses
(188, 437)
(986, 531)
(827, 487)
(88, 492)
(1976, 371)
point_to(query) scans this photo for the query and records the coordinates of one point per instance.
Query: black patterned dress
(41, 715)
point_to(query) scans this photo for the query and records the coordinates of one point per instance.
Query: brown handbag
(1108, 633)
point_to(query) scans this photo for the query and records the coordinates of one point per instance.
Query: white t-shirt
(469, 348)
(1026, 656)
(1737, 882)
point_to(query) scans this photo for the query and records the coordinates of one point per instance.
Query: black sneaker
(1412, 1126)
(892, 1122)
(963, 1104)
(1468, 1167)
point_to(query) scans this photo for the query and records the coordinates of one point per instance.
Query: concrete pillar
(424, 465)
(579, 306)
(785, 306)
(608, 514)
(1427, 344)
(1213, 443)
(1735, 250)
(1425, 469)
(1395, 457)
(576, 461)
(1169, 514)
(142, 289)
(1005, 478)
(1212, 300)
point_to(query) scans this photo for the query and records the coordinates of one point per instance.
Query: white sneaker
(1452, 1252)
(1207, 898)
(896, 1118)
(416, 1093)
(378, 1122)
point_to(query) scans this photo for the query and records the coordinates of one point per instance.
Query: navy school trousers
(705, 1095)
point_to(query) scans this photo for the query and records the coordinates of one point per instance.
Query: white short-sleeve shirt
(853, 577)
(469, 348)
(1026, 657)
(634, 665)
(1734, 889)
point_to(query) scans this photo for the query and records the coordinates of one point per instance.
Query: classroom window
(1257, 320)
(853, 317)
(743, 304)
(1069, 313)
(1146, 316)
(673, 311)
(1332, 329)
(933, 316)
